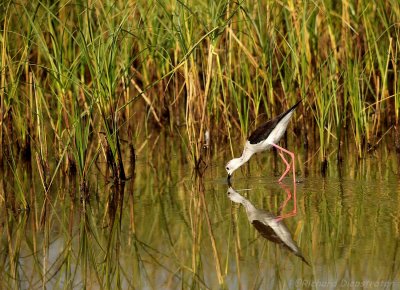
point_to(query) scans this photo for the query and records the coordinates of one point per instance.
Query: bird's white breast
(256, 148)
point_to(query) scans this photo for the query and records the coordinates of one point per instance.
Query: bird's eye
(227, 168)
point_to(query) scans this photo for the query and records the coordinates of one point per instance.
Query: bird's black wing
(262, 132)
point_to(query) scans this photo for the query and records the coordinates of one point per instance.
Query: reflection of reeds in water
(166, 229)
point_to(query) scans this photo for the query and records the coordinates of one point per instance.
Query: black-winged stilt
(267, 224)
(263, 138)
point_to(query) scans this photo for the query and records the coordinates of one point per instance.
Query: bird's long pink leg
(292, 156)
(287, 166)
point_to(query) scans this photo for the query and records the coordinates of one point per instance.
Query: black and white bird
(267, 224)
(263, 138)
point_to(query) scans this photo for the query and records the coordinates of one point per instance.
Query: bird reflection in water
(268, 225)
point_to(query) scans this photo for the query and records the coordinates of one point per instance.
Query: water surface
(172, 228)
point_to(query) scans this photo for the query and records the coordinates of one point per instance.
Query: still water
(172, 228)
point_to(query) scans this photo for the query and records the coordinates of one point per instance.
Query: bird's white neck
(246, 155)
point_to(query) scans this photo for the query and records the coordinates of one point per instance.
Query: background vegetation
(86, 86)
(76, 76)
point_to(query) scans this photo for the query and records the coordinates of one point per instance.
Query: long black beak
(229, 180)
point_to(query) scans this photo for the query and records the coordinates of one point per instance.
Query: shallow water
(169, 228)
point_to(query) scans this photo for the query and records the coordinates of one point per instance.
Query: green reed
(78, 78)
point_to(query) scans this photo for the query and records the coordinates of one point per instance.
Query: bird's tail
(295, 105)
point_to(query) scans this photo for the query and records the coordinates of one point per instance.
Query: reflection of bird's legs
(286, 162)
(289, 196)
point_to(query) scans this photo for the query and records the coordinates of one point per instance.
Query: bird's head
(233, 165)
